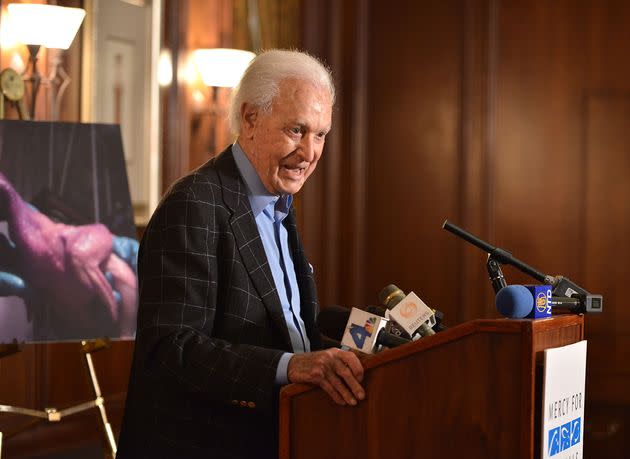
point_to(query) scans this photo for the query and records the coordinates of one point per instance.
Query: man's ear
(249, 115)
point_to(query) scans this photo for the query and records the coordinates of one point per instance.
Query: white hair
(261, 81)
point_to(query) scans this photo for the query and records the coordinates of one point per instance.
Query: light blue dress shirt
(269, 211)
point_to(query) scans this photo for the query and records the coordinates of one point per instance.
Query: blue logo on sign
(554, 441)
(359, 334)
(576, 430)
(565, 436)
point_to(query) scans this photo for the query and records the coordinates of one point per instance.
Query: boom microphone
(562, 286)
(502, 256)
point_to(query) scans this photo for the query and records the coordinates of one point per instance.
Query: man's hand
(337, 372)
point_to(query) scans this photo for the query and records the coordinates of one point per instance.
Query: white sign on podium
(564, 382)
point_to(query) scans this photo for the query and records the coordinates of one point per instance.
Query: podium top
(562, 326)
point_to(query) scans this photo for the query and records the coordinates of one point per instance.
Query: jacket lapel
(248, 240)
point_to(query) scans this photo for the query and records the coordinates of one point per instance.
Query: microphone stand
(496, 275)
(562, 286)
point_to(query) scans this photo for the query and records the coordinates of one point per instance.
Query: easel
(54, 415)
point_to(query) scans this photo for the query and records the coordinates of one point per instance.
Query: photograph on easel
(68, 248)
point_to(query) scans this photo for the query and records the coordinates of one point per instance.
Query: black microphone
(392, 327)
(578, 303)
(439, 326)
(378, 310)
(387, 339)
(332, 321)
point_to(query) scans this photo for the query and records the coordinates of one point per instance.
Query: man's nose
(308, 147)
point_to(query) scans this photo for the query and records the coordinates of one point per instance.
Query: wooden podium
(472, 391)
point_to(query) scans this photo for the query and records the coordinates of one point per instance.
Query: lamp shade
(222, 67)
(50, 26)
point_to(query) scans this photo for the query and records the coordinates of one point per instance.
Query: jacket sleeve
(179, 275)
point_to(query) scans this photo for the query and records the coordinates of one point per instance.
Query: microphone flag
(542, 301)
(411, 313)
(362, 330)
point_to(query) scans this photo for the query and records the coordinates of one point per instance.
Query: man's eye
(321, 135)
(296, 130)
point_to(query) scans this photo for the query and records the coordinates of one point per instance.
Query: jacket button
(251, 404)
(243, 403)
(234, 402)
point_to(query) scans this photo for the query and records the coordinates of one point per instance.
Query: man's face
(285, 144)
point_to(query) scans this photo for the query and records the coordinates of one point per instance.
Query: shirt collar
(259, 197)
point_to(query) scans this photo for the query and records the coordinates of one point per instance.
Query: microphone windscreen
(332, 321)
(390, 296)
(514, 301)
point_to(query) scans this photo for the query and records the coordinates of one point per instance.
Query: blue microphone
(514, 301)
(525, 301)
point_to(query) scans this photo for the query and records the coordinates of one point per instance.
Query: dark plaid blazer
(210, 325)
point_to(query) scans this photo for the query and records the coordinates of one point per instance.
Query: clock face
(11, 85)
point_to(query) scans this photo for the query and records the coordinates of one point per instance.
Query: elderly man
(227, 296)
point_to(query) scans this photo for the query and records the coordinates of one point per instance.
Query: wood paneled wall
(511, 119)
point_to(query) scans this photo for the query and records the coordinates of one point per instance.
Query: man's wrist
(282, 371)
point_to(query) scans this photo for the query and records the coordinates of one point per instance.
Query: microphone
(514, 302)
(388, 339)
(524, 301)
(356, 328)
(409, 311)
(367, 332)
(502, 256)
(392, 326)
(439, 326)
(378, 310)
(390, 296)
(579, 303)
(332, 321)
(562, 286)
(536, 301)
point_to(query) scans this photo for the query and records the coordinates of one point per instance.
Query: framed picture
(68, 249)
(122, 44)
